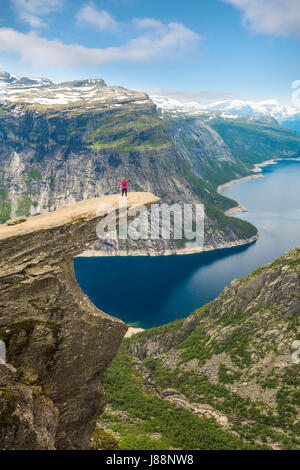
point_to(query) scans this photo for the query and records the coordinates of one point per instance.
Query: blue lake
(150, 291)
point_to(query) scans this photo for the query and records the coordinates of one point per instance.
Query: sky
(204, 50)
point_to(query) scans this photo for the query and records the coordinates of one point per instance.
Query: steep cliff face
(231, 361)
(69, 142)
(58, 343)
(248, 135)
(253, 140)
(206, 151)
(56, 151)
(63, 143)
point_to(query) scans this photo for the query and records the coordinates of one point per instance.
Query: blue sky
(192, 49)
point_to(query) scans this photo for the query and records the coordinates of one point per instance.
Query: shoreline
(257, 169)
(185, 251)
(240, 208)
(133, 331)
(235, 210)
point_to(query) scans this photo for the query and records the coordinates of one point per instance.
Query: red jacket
(124, 183)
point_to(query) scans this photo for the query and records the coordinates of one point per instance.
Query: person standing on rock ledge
(124, 186)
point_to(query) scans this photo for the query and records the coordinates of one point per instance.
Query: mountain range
(11, 83)
(222, 378)
(17, 83)
(62, 143)
(287, 116)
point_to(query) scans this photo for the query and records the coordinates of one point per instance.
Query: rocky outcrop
(58, 344)
(265, 300)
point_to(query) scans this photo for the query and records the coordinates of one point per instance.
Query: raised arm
(119, 180)
(128, 180)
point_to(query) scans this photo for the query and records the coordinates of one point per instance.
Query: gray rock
(16, 221)
(58, 344)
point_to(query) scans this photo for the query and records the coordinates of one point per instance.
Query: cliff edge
(58, 344)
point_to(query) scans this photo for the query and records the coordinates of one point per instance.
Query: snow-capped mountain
(191, 108)
(17, 83)
(252, 108)
(15, 88)
(288, 116)
(171, 105)
(89, 93)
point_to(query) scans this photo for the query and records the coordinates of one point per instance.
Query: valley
(176, 285)
(62, 143)
(221, 377)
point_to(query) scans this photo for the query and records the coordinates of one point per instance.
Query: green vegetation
(150, 415)
(292, 259)
(225, 172)
(8, 405)
(132, 137)
(203, 189)
(220, 356)
(215, 205)
(242, 228)
(5, 206)
(200, 389)
(26, 201)
(227, 375)
(268, 426)
(52, 116)
(162, 330)
(189, 140)
(23, 208)
(195, 346)
(236, 345)
(256, 141)
(5, 203)
(126, 131)
(34, 175)
(102, 440)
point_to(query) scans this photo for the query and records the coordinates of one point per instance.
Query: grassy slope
(152, 423)
(233, 354)
(256, 141)
(209, 164)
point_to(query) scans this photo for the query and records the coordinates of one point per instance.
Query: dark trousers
(124, 191)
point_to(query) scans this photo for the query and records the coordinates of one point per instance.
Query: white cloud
(175, 38)
(279, 17)
(201, 96)
(101, 19)
(32, 11)
(147, 23)
(104, 21)
(34, 21)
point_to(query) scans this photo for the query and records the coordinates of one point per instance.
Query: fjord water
(150, 291)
